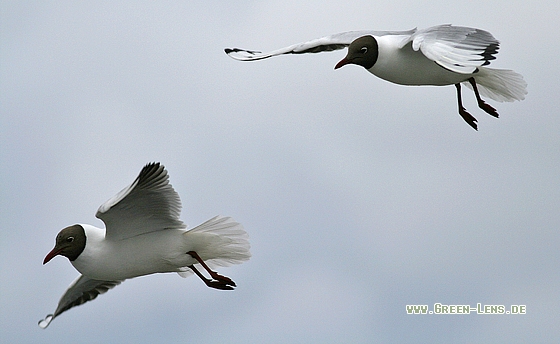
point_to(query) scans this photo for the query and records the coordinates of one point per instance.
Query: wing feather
(149, 204)
(459, 49)
(82, 290)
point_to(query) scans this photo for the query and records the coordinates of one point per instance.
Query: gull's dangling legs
(210, 283)
(221, 282)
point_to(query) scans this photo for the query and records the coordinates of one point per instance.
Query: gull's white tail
(219, 241)
(502, 85)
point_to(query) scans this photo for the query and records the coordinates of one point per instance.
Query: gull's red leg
(481, 103)
(226, 281)
(462, 111)
(212, 284)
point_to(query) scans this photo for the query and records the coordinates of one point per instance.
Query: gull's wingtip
(242, 54)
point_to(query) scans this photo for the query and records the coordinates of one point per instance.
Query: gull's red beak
(55, 252)
(342, 62)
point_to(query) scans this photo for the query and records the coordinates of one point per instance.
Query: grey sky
(359, 196)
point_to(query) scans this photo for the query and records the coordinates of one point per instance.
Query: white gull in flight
(438, 56)
(143, 236)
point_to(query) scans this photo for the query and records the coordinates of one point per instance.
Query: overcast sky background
(359, 196)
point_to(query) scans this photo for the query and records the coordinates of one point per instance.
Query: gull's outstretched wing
(327, 43)
(459, 49)
(80, 291)
(149, 204)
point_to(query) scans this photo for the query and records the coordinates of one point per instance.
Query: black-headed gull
(439, 55)
(143, 236)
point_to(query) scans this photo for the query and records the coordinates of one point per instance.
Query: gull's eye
(363, 50)
(70, 239)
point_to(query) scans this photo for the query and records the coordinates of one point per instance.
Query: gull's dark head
(362, 51)
(70, 242)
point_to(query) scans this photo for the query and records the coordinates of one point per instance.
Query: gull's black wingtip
(237, 50)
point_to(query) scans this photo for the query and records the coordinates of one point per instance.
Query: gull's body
(155, 252)
(438, 56)
(404, 66)
(144, 236)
